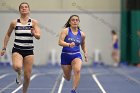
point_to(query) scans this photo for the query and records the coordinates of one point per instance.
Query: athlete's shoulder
(82, 34)
(64, 31)
(34, 21)
(13, 22)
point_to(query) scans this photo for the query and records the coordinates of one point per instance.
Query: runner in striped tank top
(22, 52)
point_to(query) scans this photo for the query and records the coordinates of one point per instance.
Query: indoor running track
(94, 79)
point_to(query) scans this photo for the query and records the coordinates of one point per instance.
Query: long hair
(67, 23)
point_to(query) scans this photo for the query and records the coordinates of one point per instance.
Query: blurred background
(97, 19)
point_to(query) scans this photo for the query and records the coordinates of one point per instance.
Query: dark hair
(67, 24)
(113, 32)
(24, 3)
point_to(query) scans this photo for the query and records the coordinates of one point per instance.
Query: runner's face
(24, 9)
(74, 21)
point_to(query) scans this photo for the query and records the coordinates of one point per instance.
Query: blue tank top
(77, 39)
(116, 45)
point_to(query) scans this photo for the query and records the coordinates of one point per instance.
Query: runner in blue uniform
(22, 52)
(115, 52)
(71, 38)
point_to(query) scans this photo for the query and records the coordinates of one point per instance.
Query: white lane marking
(4, 75)
(98, 83)
(57, 82)
(9, 85)
(61, 85)
(17, 89)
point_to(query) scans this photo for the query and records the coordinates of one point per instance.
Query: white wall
(43, 5)
(98, 18)
(96, 25)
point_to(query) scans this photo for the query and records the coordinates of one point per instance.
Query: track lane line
(61, 85)
(9, 85)
(98, 83)
(4, 75)
(57, 81)
(17, 89)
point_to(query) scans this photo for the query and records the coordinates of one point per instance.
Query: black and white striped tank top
(23, 36)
